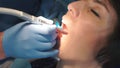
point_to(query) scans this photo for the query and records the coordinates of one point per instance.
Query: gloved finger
(17, 26)
(43, 46)
(48, 29)
(39, 54)
(43, 29)
(46, 38)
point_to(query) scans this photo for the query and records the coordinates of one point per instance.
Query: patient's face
(87, 23)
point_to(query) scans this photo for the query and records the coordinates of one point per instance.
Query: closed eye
(95, 13)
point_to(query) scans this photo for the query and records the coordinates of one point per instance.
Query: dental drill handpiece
(25, 16)
(43, 20)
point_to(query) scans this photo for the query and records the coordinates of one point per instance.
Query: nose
(73, 9)
(78, 7)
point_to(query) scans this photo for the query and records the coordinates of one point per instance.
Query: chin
(64, 52)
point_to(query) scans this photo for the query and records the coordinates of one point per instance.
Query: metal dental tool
(28, 17)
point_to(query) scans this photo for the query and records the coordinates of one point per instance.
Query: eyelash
(95, 13)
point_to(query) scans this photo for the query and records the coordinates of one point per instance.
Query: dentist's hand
(27, 40)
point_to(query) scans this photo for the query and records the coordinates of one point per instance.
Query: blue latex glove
(21, 63)
(28, 40)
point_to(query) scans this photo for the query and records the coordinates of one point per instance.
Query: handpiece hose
(17, 13)
(28, 17)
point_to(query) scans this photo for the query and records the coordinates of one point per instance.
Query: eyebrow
(103, 4)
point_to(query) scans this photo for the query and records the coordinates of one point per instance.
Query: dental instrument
(25, 16)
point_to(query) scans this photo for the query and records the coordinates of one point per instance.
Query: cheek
(83, 28)
(79, 39)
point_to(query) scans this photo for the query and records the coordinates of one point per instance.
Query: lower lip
(60, 33)
(63, 32)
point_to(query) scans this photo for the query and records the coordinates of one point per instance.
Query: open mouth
(64, 29)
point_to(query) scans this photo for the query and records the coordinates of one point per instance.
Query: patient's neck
(75, 64)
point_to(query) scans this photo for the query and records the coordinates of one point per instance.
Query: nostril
(71, 12)
(72, 9)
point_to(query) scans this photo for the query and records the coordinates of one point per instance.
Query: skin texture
(88, 24)
(2, 54)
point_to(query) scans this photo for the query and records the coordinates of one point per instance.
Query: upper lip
(63, 25)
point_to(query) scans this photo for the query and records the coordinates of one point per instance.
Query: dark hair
(114, 40)
(111, 52)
